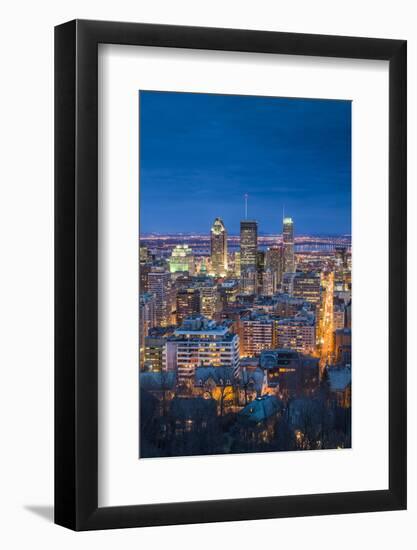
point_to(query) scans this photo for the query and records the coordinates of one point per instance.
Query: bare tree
(222, 391)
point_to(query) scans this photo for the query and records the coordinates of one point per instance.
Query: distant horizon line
(205, 233)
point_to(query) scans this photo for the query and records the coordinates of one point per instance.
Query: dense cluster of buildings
(245, 328)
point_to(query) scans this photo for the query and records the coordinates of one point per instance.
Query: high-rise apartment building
(218, 248)
(256, 334)
(159, 284)
(297, 333)
(201, 342)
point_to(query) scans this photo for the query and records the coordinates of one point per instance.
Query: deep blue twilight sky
(200, 153)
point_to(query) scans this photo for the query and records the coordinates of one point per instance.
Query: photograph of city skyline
(245, 289)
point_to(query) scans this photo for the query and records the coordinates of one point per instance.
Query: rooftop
(261, 409)
(198, 325)
(298, 320)
(219, 375)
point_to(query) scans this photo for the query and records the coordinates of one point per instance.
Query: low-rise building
(290, 371)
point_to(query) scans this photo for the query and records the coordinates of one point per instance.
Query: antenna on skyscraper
(246, 206)
(283, 213)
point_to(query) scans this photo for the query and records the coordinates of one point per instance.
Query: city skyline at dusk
(290, 156)
(245, 275)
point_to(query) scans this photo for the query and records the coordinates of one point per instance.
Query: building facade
(209, 301)
(256, 334)
(159, 284)
(154, 354)
(297, 333)
(182, 259)
(248, 244)
(201, 342)
(147, 320)
(187, 303)
(288, 244)
(307, 286)
(274, 261)
(218, 248)
(249, 280)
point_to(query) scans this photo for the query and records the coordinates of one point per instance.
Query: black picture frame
(76, 272)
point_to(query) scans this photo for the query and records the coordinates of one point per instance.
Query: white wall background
(26, 274)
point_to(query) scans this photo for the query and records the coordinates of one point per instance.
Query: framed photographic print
(230, 234)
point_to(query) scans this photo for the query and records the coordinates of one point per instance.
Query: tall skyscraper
(288, 240)
(273, 261)
(248, 244)
(159, 283)
(219, 248)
